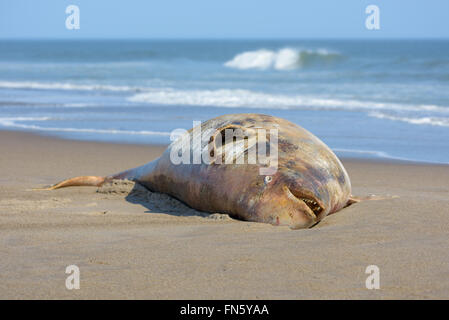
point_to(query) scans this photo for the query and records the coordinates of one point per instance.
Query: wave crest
(433, 121)
(63, 86)
(234, 98)
(283, 59)
(17, 122)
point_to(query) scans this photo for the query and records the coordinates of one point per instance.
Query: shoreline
(373, 160)
(160, 249)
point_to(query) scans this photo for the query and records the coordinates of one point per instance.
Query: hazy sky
(224, 19)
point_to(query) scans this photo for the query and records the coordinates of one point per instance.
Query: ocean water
(365, 99)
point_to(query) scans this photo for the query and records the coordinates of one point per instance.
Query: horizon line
(221, 38)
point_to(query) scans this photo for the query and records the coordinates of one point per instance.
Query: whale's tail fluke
(92, 181)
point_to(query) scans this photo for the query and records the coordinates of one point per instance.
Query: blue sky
(35, 19)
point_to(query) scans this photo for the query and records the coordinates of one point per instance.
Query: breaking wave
(63, 86)
(234, 98)
(283, 59)
(433, 121)
(382, 155)
(16, 123)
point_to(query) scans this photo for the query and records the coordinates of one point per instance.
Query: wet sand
(130, 243)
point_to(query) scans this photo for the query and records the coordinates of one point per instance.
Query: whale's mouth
(311, 202)
(313, 205)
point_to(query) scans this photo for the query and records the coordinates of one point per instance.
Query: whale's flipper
(92, 181)
(96, 181)
(356, 199)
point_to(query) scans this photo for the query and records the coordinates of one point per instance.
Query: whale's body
(305, 184)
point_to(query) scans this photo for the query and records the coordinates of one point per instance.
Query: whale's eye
(268, 179)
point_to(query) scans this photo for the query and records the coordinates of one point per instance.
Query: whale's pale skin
(310, 182)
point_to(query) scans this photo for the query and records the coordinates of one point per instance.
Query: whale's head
(302, 179)
(299, 196)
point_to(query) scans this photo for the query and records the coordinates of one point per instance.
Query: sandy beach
(148, 246)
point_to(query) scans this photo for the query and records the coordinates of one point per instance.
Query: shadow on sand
(154, 202)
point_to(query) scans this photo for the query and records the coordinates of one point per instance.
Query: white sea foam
(384, 155)
(283, 59)
(234, 98)
(14, 122)
(63, 86)
(4, 121)
(80, 105)
(433, 121)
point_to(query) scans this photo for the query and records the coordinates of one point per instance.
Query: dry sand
(144, 245)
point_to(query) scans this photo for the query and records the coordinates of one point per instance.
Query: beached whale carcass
(304, 183)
